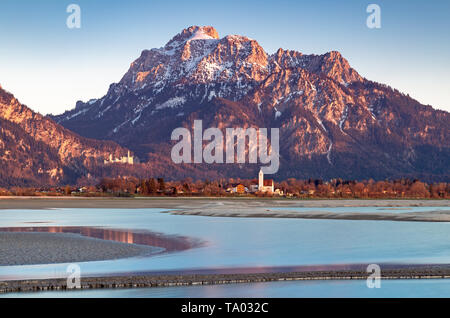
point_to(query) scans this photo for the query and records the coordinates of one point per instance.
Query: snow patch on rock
(172, 103)
(343, 118)
(329, 153)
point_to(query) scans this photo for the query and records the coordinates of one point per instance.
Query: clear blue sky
(49, 67)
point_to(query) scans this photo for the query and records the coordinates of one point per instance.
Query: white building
(128, 159)
(262, 185)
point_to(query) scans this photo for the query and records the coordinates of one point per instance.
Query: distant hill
(34, 150)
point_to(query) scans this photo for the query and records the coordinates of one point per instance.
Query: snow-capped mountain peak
(327, 113)
(193, 33)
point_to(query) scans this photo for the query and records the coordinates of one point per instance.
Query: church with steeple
(261, 185)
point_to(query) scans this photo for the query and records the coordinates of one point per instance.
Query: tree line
(312, 188)
(315, 188)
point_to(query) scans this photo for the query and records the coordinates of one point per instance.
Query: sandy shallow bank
(138, 281)
(20, 248)
(267, 209)
(432, 216)
(39, 203)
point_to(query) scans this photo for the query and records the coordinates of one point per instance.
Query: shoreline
(237, 207)
(171, 280)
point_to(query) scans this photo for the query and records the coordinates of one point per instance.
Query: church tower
(261, 180)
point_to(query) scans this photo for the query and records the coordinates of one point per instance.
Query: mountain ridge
(333, 122)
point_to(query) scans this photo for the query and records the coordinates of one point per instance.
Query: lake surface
(244, 242)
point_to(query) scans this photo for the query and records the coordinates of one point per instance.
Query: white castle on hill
(128, 159)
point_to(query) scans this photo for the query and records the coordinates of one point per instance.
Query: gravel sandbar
(20, 248)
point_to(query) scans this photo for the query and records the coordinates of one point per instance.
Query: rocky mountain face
(34, 150)
(333, 122)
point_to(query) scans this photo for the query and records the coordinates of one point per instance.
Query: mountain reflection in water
(170, 243)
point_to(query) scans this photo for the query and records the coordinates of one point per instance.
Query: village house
(237, 188)
(279, 192)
